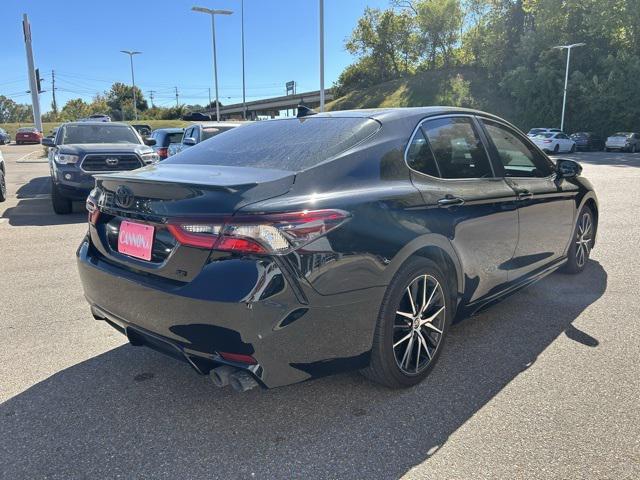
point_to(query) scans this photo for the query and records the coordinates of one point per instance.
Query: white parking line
(26, 158)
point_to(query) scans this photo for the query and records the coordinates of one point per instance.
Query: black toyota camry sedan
(291, 249)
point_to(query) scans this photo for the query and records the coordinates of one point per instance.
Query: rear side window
(420, 157)
(456, 148)
(290, 144)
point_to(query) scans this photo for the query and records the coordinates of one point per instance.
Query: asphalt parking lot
(543, 385)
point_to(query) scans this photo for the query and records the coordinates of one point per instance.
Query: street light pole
(213, 13)
(244, 92)
(322, 55)
(566, 77)
(133, 81)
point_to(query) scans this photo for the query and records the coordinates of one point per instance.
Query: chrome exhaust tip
(220, 375)
(242, 381)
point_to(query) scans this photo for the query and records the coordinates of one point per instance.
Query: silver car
(199, 132)
(624, 142)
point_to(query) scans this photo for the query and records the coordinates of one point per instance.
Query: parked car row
(553, 140)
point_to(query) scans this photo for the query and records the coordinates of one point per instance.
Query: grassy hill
(465, 87)
(48, 126)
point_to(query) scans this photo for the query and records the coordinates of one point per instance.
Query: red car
(28, 135)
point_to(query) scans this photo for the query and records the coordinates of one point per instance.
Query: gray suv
(82, 149)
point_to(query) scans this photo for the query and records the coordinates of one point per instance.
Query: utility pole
(54, 105)
(151, 93)
(177, 103)
(33, 84)
(322, 55)
(209, 97)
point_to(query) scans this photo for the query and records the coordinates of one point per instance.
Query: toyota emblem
(124, 196)
(112, 162)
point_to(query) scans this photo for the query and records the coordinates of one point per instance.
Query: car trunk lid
(161, 194)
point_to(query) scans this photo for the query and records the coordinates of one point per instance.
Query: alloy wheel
(584, 237)
(419, 324)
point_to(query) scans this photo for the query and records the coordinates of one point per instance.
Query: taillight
(547, 141)
(263, 234)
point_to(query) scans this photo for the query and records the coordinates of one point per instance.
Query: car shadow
(132, 412)
(34, 207)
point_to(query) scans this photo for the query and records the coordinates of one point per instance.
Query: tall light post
(133, 81)
(322, 55)
(566, 76)
(213, 14)
(244, 92)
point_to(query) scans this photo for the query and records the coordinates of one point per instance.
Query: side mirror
(568, 168)
(189, 141)
(48, 142)
(149, 141)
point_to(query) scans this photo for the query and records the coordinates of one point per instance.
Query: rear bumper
(290, 340)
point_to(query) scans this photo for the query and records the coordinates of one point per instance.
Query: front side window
(457, 148)
(518, 158)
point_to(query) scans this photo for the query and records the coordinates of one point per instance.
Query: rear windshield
(621, 134)
(208, 132)
(172, 138)
(27, 129)
(104, 133)
(545, 135)
(290, 144)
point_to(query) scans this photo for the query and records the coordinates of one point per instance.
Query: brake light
(547, 141)
(238, 357)
(262, 234)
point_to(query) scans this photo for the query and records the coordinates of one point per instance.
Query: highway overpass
(271, 107)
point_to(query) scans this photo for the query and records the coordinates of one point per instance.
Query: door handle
(450, 201)
(524, 195)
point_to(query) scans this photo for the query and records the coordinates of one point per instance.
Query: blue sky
(81, 41)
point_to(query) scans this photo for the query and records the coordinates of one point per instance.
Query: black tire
(573, 148)
(607, 149)
(634, 148)
(3, 187)
(384, 367)
(575, 261)
(61, 204)
(556, 149)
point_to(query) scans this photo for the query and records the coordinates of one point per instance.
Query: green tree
(75, 109)
(119, 99)
(10, 111)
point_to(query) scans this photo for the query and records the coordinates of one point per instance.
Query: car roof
(169, 130)
(102, 124)
(216, 124)
(404, 113)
